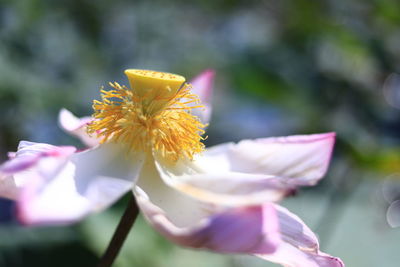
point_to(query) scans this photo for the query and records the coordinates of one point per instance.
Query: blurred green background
(283, 67)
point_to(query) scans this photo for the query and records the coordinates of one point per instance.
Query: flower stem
(120, 234)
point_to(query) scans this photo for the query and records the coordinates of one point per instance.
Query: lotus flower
(147, 139)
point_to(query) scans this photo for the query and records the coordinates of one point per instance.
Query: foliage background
(283, 67)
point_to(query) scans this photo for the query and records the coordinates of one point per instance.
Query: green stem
(120, 234)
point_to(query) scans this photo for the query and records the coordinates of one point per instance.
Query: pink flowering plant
(147, 140)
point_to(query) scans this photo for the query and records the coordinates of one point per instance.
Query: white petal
(299, 160)
(89, 181)
(181, 208)
(191, 223)
(252, 171)
(76, 127)
(198, 180)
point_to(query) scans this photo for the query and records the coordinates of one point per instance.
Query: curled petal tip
(203, 85)
(299, 246)
(76, 126)
(69, 122)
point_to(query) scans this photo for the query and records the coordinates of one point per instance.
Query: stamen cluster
(156, 122)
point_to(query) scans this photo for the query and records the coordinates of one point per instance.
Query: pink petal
(297, 160)
(201, 181)
(66, 191)
(76, 127)
(29, 153)
(203, 87)
(25, 159)
(300, 246)
(194, 224)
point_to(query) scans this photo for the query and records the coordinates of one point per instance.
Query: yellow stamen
(153, 116)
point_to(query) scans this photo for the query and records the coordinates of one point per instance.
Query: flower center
(153, 116)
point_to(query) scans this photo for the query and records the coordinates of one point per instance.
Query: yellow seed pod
(142, 81)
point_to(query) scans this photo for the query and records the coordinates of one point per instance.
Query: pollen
(154, 115)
